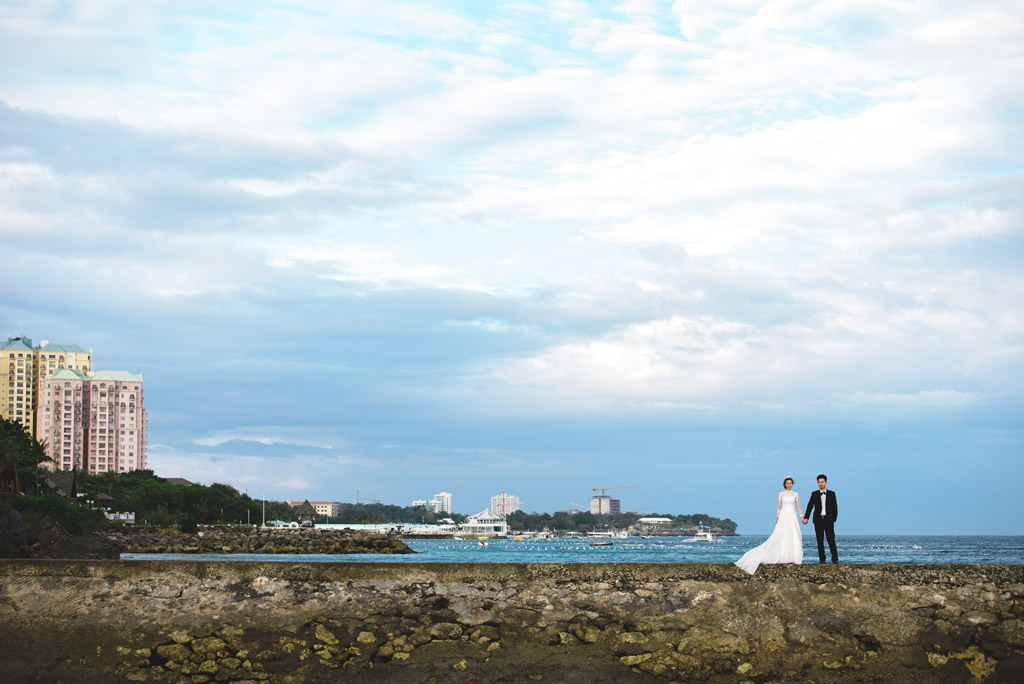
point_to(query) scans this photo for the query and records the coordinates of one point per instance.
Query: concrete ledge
(196, 622)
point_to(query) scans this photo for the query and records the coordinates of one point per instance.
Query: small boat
(703, 534)
(601, 543)
(608, 534)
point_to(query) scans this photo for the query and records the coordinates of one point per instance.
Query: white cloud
(929, 399)
(268, 435)
(702, 210)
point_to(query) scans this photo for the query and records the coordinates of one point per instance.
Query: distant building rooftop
(17, 344)
(116, 376)
(178, 480)
(25, 344)
(66, 348)
(110, 376)
(68, 374)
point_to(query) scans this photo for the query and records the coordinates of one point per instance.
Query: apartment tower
(504, 504)
(441, 503)
(96, 423)
(26, 367)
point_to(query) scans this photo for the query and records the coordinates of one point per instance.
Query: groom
(823, 510)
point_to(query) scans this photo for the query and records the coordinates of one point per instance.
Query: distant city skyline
(691, 248)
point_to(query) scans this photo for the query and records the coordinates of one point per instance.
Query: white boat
(608, 534)
(703, 534)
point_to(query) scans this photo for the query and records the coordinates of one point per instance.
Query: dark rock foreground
(195, 622)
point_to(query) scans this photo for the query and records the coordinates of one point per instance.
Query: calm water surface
(852, 549)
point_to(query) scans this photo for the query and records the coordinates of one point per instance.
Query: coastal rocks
(244, 539)
(47, 539)
(298, 623)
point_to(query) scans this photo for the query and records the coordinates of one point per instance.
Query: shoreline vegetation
(45, 538)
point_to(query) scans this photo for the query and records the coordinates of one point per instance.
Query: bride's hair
(788, 479)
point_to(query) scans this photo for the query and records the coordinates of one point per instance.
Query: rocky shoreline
(285, 540)
(298, 623)
(47, 539)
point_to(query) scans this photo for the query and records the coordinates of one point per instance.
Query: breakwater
(245, 539)
(198, 622)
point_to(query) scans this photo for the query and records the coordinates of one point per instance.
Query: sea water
(852, 549)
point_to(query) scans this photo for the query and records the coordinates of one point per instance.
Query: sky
(683, 247)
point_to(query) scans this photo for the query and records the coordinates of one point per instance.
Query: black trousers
(826, 530)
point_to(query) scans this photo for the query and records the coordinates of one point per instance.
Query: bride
(786, 545)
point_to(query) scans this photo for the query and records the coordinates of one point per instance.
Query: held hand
(805, 521)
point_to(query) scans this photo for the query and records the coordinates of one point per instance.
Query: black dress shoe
(835, 562)
(821, 562)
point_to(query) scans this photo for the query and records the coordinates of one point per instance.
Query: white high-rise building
(441, 503)
(503, 504)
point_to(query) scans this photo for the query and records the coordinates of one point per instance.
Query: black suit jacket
(814, 506)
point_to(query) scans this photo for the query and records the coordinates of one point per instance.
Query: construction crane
(360, 499)
(603, 489)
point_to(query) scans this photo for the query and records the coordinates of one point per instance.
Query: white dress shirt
(823, 498)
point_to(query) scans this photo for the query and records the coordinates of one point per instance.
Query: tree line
(586, 522)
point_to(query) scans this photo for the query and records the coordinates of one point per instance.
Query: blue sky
(689, 247)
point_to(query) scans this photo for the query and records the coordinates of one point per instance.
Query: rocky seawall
(196, 622)
(290, 540)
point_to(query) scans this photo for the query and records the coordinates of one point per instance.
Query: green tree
(22, 451)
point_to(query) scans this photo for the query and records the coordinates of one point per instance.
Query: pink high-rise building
(93, 422)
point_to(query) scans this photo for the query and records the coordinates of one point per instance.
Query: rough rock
(296, 623)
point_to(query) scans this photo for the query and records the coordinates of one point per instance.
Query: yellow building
(26, 367)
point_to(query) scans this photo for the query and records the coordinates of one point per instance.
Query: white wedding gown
(786, 545)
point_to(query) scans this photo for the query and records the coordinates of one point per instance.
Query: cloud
(266, 435)
(529, 237)
(927, 399)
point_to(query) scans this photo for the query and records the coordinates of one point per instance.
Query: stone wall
(193, 621)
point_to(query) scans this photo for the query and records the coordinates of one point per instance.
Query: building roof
(111, 376)
(16, 344)
(486, 514)
(306, 509)
(66, 348)
(67, 374)
(25, 344)
(62, 483)
(177, 480)
(116, 376)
